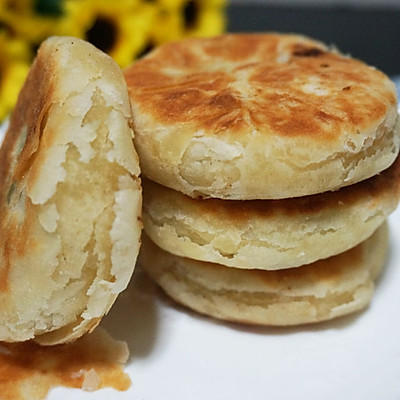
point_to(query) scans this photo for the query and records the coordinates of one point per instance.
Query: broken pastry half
(70, 196)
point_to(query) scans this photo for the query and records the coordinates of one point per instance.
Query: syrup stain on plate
(28, 371)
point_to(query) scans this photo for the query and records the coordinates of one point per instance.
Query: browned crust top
(17, 153)
(285, 85)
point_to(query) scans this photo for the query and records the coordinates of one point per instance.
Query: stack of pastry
(269, 165)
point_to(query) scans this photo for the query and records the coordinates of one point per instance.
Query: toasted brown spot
(225, 101)
(303, 51)
(232, 49)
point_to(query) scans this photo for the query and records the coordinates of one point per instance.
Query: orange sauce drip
(29, 371)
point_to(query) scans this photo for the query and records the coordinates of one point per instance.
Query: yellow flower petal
(120, 28)
(14, 66)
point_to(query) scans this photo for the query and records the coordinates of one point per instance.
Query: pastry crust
(321, 291)
(269, 234)
(260, 116)
(70, 196)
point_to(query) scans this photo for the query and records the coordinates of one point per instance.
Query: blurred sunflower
(18, 6)
(119, 28)
(31, 20)
(14, 66)
(177, 19)
(125, 29)
(203, 17)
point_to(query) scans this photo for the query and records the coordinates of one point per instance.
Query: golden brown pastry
(260, 116)
(269, 234)
(326, 289)
(70, 196)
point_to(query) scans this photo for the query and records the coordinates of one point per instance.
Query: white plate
(179, 355)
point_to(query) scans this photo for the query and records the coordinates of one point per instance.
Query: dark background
(370, 34)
